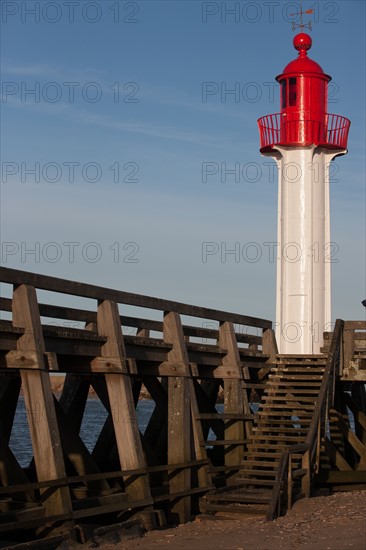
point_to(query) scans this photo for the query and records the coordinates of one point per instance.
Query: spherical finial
(302, 42)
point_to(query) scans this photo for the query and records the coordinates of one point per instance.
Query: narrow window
(284, 93)
(292, 92)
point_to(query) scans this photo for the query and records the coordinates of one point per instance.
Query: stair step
(289, 397)
(300, 369)
(227, 468)
(218, 442)
(276, 423)
(270, 430)
(249, 385)
(254, 454)
(266, 421)
(285, 438)
(257, 482)
(244, 472)
(261, 450)
(299, 378)
(241, 494)
(285, 391)
(300, 385)
(275, 450)
(257, 463)
(224, 416)
(281, 357)
(259, 507)
(298, 408)
(267, 413)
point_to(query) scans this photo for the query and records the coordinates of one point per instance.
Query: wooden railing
(182, 367)
(310, 449)
(53, 284)
(352, 365)
(353, 360)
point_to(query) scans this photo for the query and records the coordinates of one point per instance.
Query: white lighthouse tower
(303, 138)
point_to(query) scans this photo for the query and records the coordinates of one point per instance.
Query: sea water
(92, 424)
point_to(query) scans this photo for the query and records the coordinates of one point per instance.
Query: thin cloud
(162, 95)
(165, 132)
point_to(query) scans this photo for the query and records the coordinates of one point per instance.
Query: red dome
(302, 64)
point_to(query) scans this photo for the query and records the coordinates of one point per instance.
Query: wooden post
(39, 403)
(235, 399)
(269, 344)
(179, 421)
(348, 347)
(306, 479)
(121, 399)
(73, 399)
(289, 483)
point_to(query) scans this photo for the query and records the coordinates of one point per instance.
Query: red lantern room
(303, 120)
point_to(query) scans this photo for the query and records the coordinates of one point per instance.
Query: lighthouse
(303, 139)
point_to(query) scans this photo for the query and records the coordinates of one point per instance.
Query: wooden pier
(204, 450)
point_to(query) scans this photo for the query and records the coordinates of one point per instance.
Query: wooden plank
(269, 344)
(71, 333)
(355, 325)
(39, 401)
(44, 282)
(179, 420)
(144, 326)
(359, 415)
(206, 333)
(73, 399)
(121, 401)
(335, 456)
(17, 359)
(344, 477)
(108, 365)
(167, 368)
(349, 435)
(225, 416)
(348, 349)
(224, 442)
(62, 482)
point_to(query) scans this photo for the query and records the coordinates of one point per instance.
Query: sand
(336, 522)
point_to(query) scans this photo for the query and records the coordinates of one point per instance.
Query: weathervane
(301, 25)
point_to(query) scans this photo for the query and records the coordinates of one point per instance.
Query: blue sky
(128, 117)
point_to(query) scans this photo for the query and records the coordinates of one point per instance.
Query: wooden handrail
(276, 493)
(324, 388)
(63, 482)
(87, 316)
(54, 284)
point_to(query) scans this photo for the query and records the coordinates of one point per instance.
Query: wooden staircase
(283, 421)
